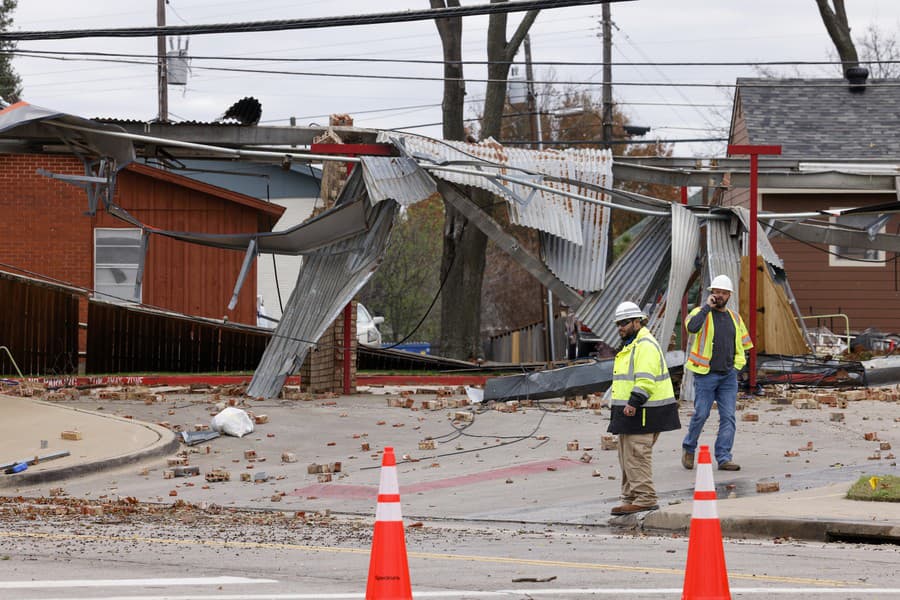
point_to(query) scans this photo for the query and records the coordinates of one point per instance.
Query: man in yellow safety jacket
(715, 357)
(643, 405)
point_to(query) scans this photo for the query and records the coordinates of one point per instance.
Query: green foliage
(408, 278)
(10, 82)
(886, 488)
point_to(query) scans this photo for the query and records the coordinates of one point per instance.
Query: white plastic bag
(233, 421)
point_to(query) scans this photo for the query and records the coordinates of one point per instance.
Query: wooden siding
(870, 296)
(127, 340)
(738, 135)
(39, 327)
(46, 232)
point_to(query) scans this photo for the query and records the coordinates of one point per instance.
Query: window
(117, 254)
(842, 256)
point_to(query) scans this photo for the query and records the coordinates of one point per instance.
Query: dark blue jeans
(720, 388)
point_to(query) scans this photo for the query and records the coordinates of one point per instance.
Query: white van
(367, 332)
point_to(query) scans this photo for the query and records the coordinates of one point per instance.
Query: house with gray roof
(838, 126)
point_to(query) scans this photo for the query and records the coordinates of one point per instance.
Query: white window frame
(128, 291)
(870, 258)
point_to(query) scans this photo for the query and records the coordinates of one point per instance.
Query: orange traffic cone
(388, 567)
(705, 577)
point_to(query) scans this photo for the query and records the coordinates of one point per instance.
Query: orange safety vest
(701, 348)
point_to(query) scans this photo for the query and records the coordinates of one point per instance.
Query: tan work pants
(636, 460)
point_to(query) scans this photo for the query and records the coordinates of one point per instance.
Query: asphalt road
(185, 554)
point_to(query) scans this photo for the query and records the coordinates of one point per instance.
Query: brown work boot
(627, 509)
(687, 459)
(729, 466)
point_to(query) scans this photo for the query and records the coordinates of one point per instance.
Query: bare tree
(838, 28)
(880, 53)
(464, 244)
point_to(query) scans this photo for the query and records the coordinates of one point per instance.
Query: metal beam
(508, 244)
(824, 234)
(783, 179)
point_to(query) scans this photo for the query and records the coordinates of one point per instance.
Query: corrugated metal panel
(328, 280)
(582, 267)
(763, 245)
(685, 247)
(539, 210)
(396, 178)
(632, 277)
(723, 256)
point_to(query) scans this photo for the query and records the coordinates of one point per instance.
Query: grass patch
(886, 489)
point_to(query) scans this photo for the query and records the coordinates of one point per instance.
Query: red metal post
(752, 252)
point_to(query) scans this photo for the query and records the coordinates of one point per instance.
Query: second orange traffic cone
(388, 566)
(705, 577)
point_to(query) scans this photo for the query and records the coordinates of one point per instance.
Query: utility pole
(607, 76)
(538, 134)
(162, 76)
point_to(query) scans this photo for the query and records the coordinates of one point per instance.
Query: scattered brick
(791, 453)
(324, 477)
(428, 444)
(70, 435)
(573, 445)
(837, 417)
(177, 460)
(749, 417)
(288, 457)
(871, 436)
(218, 475)
(464, 415)
(807, 447)
(609, 442)
(796, 422)
(765, 487)
(885, 446)
(260, 419)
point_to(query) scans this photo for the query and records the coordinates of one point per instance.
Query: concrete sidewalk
(32, 428)
(551, 488)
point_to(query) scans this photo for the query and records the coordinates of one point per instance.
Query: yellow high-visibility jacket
(701, 348)
(640, 371)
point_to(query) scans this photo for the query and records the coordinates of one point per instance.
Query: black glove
(636, 400)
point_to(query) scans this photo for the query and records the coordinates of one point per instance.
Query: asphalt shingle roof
(821, 118)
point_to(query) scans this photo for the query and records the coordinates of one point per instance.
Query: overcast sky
(645, 31)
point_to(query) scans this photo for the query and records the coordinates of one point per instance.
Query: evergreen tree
(10, 82)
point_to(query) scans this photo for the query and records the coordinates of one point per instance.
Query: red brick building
(46, 233)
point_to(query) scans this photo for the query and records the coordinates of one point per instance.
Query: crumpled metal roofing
(328, 280)
(723, 257)
(539, 210)
(396, 178)
(632, 277)
(573, 233)
(763, 245)
(685, 247)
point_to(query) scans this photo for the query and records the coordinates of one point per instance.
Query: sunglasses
(623, 322)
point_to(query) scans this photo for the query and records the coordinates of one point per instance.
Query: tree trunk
(463, 257)
(839, 29)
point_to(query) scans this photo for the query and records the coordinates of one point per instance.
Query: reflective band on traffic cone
(705, 577)
(388, 566)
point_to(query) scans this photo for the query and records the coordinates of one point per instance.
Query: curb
(817, 530)
(167, 443)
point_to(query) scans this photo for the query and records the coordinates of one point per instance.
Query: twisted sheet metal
(685, 247)
(328, 280)
(396, 178)
(723, 256)
(632, 277)
(541, 210)
(580, 266)
(763, 245)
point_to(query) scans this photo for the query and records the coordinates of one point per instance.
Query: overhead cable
(295, 24)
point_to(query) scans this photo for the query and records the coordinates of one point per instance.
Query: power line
(786, 83)
(295, 24)
(550, 63)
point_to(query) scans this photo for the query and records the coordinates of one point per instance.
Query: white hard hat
(628, 310)
(721, 282)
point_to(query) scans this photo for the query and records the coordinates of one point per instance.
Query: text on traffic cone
(388, 566)
(705, 577)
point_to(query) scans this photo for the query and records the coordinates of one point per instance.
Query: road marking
(362, 492)
(430, 555)
(88, 583)
(517, 593)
